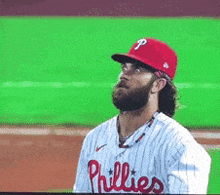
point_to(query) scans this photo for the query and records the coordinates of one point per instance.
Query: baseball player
(143, 149)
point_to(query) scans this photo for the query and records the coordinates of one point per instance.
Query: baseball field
(60, 71)
(56, 78)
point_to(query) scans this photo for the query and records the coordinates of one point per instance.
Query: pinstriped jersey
(159, 157)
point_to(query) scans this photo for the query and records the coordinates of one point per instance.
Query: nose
(123, 76)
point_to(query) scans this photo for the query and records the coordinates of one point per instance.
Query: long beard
(130, 100)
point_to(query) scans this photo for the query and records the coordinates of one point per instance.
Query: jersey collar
(137, 136)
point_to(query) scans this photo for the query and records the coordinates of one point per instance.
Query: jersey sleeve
(82, 183)
(189, 168)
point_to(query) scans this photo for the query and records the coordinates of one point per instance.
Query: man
(143, 150)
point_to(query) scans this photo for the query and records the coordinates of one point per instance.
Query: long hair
(168, 97)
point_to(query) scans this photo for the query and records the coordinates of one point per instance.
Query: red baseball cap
(151, 52)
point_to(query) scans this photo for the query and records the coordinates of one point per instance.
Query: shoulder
(101, 132)
(102, 128)
(179, 140)
(171, 128)
(166, 120)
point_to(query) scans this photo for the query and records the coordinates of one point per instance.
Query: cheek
(145, 80)
(147, 77)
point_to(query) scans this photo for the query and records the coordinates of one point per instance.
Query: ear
(158, 85)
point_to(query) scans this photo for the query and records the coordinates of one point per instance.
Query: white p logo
(140, 42)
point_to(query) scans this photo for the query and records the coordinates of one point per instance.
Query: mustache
(122, 83)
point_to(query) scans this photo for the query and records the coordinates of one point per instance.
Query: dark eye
(139, 68)
(122, 66)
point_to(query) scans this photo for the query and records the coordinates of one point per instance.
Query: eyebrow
(137, 63)
(146, 66)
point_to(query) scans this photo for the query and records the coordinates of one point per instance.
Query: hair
(168, 97)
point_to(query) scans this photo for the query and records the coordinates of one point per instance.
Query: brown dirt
(42, 163)
(38, 163)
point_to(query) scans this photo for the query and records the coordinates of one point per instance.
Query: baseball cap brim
(122, 58)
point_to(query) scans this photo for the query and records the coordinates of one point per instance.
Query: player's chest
(129, 170)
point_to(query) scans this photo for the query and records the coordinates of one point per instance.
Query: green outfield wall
(58, 70)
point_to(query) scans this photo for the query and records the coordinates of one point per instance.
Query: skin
(130, 121)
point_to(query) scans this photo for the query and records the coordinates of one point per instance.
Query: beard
(126, 99)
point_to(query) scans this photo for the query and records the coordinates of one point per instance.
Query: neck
(130, 121)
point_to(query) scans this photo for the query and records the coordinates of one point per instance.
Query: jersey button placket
(119, 153)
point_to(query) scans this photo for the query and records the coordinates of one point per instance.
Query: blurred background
(56, 67)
